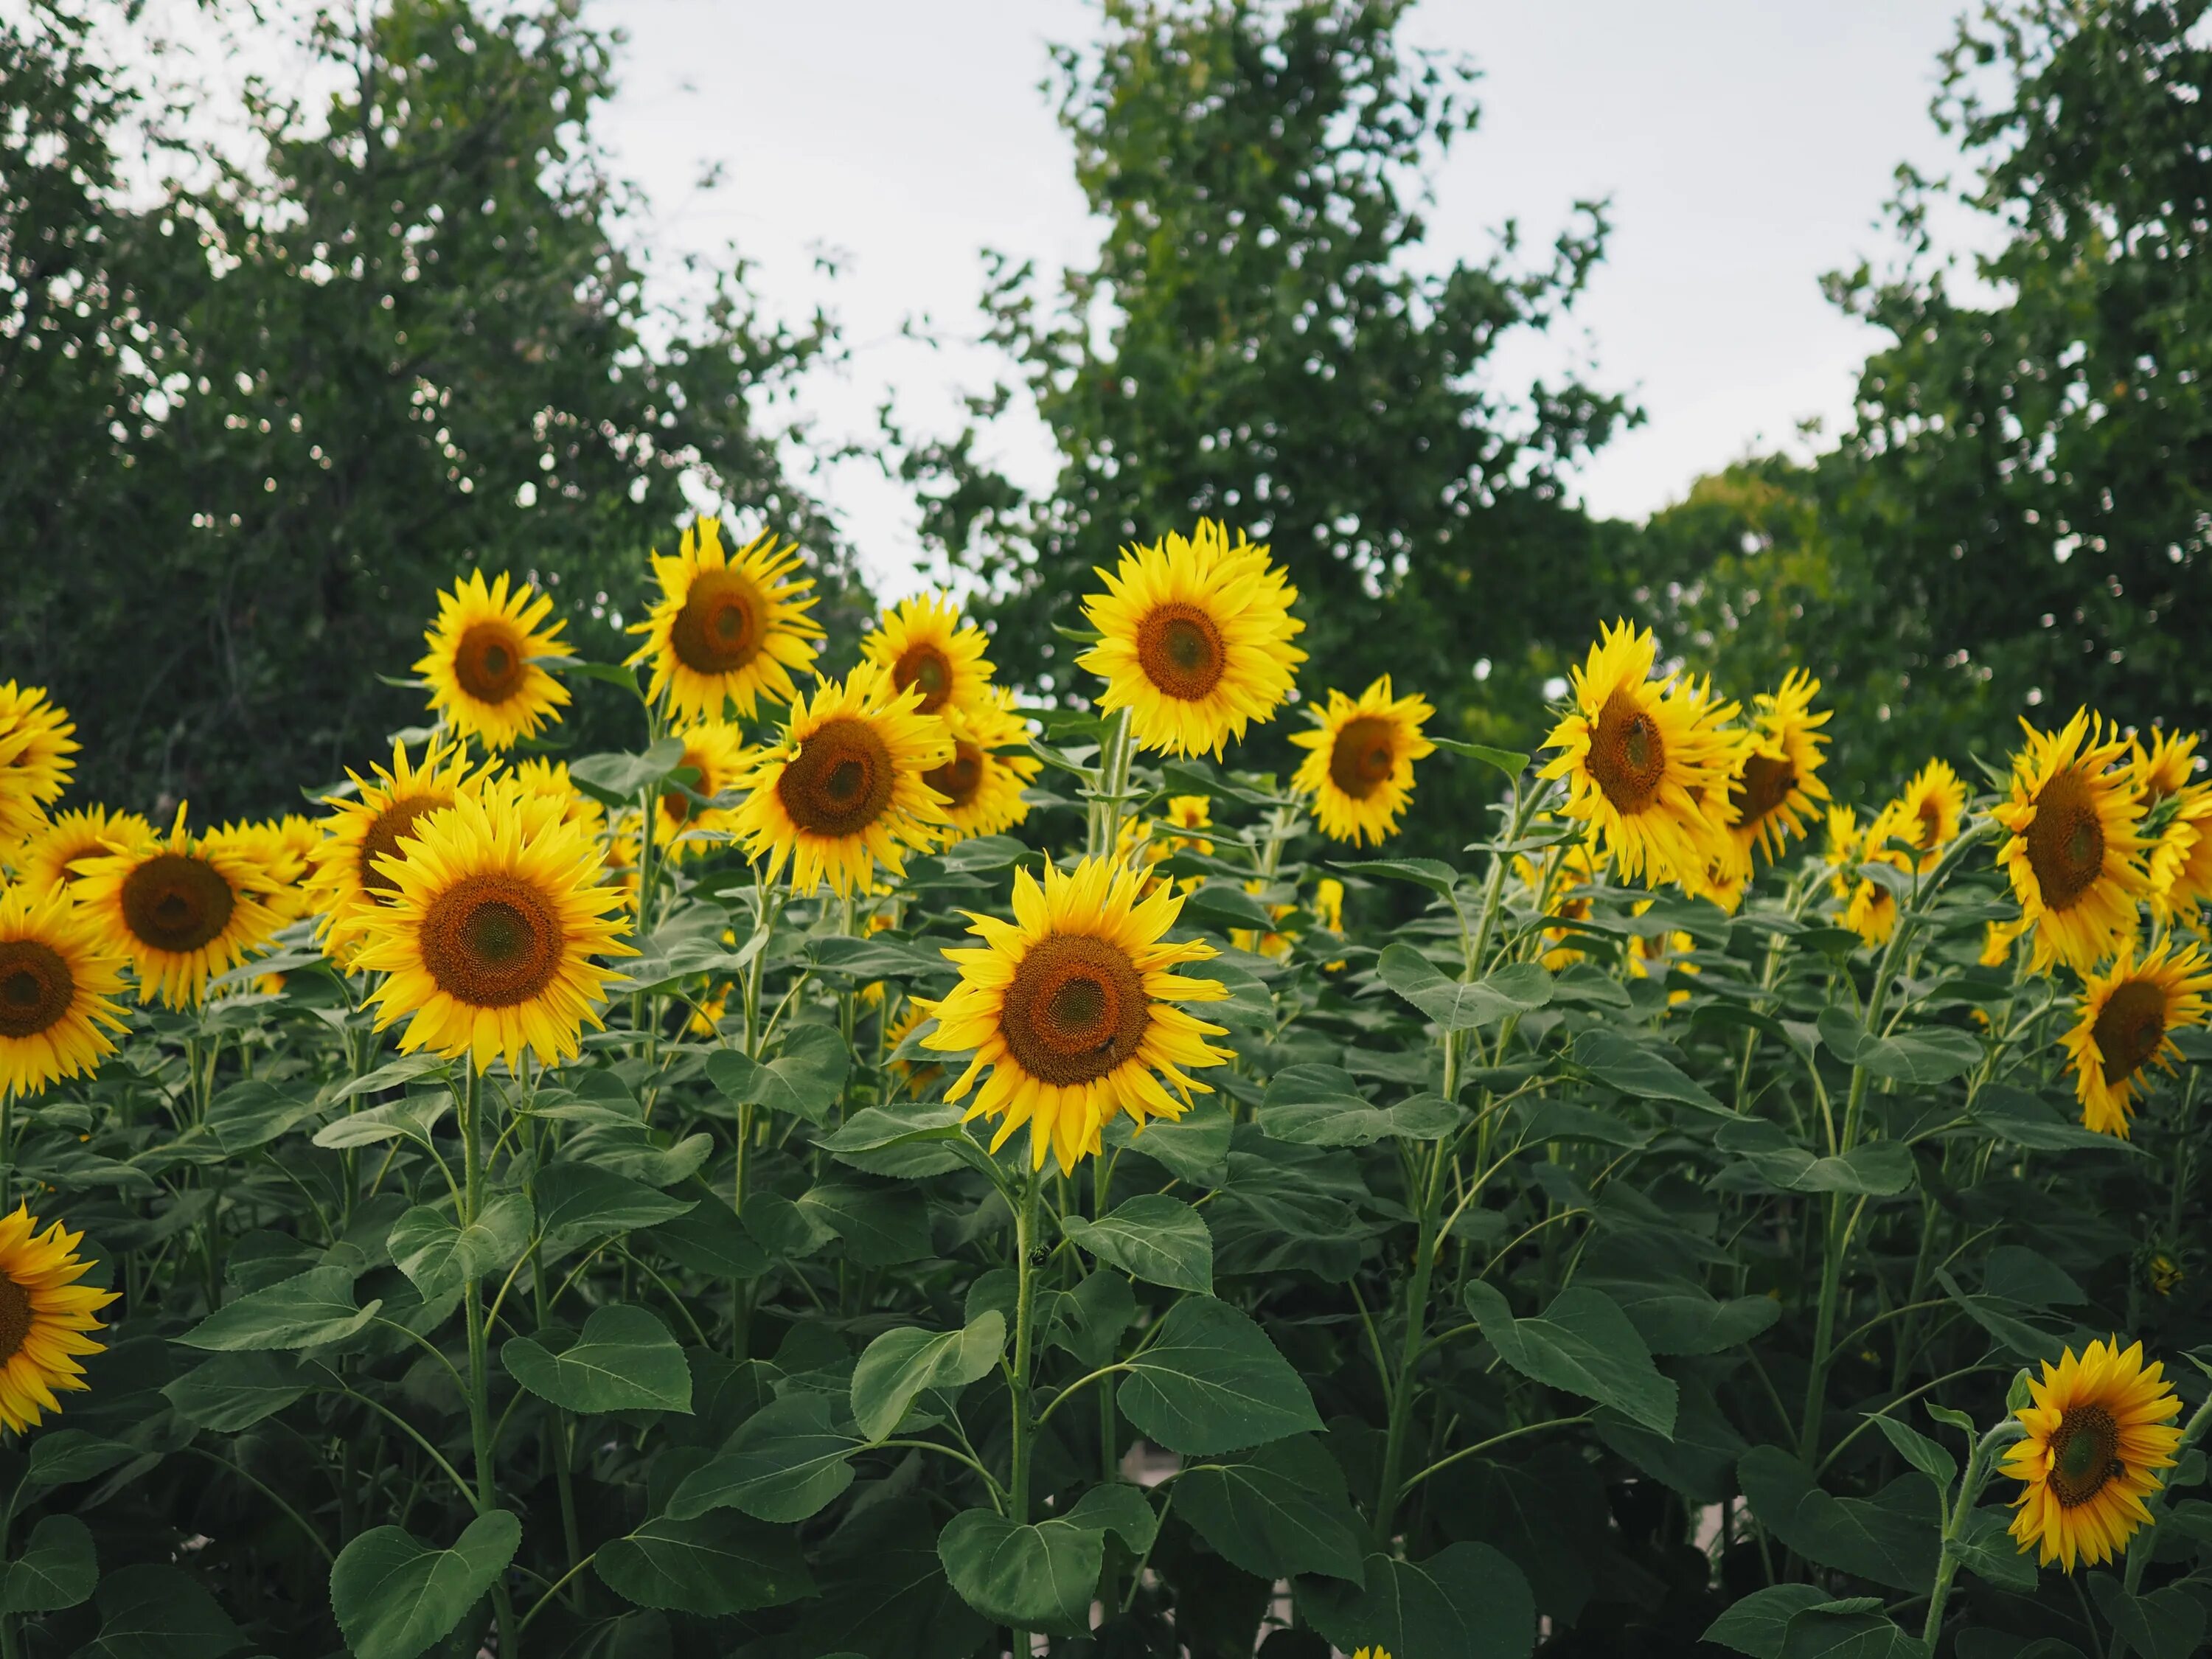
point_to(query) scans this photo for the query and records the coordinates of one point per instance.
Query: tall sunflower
(982, 785)
(922, 643)
(181, 908)
(1072, 1008)
(2128, 1014)
(1778, 787)
(845, 788)
(2177, 823)
(1196, 640)
(484, 680)
(35, 747)
(1359, 763)
(2101, 1429)
(46, 1318)
(348, 884)
(716, 750)
(728, 626)
(2074, 856)
(58, 981)
(496, 913)
(49, 858)
(1648, 767)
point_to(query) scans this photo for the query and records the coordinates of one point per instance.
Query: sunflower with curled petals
(921, 641)
(716, 751)
(58, 979)
(496, 915)
(347, 884)
(1647, 766)
(2127, 1015)
(1073, 1011)
(1778, 787)
(50, 857)
(1196, 639)
(2178, 823)
(1359, 762)
(182, 908)
(982, 785)
(728, 627)
(484, 678)
(2100, 1430)
(35, 746)
(2075, 857)
(46, 1318)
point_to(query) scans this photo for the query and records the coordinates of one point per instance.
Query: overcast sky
(1747, 146)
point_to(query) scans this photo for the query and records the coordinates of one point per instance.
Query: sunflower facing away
(181, 908)
(2075, 853)
(727, 626)
(496, 913)
(1072, 1009)
(922, 643)
(49, 858)
(484, 680)
(35, 747)
(1196, 640)
(1359, 763)
(844, 789)
(2101, 1429)
(982, 785)
(716, 751)
(46, 1318)
(57, 983)
(2128, 1014)
(2178, 817)
(348, 884)
(1777, 787)
(1647, 766)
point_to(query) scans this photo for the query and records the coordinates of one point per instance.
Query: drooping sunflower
(1777, 785)
(2101, 1429)
(1196, 640)
(347, 885)
(46, 1318)
(728, 626)
(921, 641)
(982, 785)
(1724, 878)
(1072, 1009)
(57, 979)
(35, 746)
(2127, 1016)
(1648, 767)
(2075, 857)
(1359, 764)
(49, 858)
(1997, 939)
(484, 679)
(1270, 944)
(845, 788)
(716, 750)
(2178, 823)
(496, 913)
(182, 908)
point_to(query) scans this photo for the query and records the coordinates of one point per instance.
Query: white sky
(1747, 146)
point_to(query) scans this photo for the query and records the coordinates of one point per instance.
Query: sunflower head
(279, 847)
(348, 884)
(980, 787)
(1195, 640)
(1776, 787)
(50, 857)
(716, 751)
(181, 908)
(484, 678)
(2075, 857)
(916, 1077)
(728, 627)
(2176, 824)
(46, 1318)
(35, 746)
(2126, 1017)
(922, 643)
(2100, 1430)
(1359, 762)
(1843, 850)
(59, 979)
(550, 778)
(1928, 814)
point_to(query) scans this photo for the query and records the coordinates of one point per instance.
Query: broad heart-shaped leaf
(804, 1080)
(712, 1240)
(1041, 1577)
(1924, 1455)
(713, 1563)
(406, 1069)
(303, 1311)
(437, 1253)
(61, 1458)
(2167, 1624)
(1987, 1550)
(1853, 1629)
(1194, 1147)
(1460, 1006)
(1467, 1601)
(1641, 1069)
(411, 1118)
(154, 1611)
(1152, 1237)
(251, 1113)
(616, 779)
(625, 1360)
(901, 1365)
(1930, 1054)
(1276, 1511)
(394, 1597)
(2025, 1120)
(1313, 1105)
(577, 1202)
(1878, 1167)
(232, 1391)
(1582, 1343)
(1210, 1382)
(1890, 1538)
(785, 1463)
(881, 1224)
(1675, 1316)
(57, 1568)
(1758, 1624)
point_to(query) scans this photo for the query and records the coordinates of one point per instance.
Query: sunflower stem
(1979, 1464)
(1017, 1482)
(1388, 1488)
(1104, 818)
(487, 1495)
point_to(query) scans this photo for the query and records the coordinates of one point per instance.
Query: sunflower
(1777, 785)
(1842, 854)
(282, 851)
(982, 785)
(727, 628)
(845, 788)
(923, 642)
(497, 912)
(484, 680)
(1144, 842)
(1359, 764)
(49, 858)
(1870, 910)
(2178, 819)
(1928, 814)
(1196, 640)
(1997, 939)
(2128, 1014)
(917, 1076)
(46, 1318)
(1372, 1653)
(1647, 767)
(1272, 944)
(550, 778)
(181, 908)
(2074, 856)
(348, 884)
(2101, 1429)
(1073, 1008)
(619, 853)
(35, 747)
(1328, 904)
(1724, 878)
(716, 751)
(1561, 893)
(57, 982)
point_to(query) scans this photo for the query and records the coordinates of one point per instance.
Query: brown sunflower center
(174, 901)
(2066, 842)
(1181, 650)
(36, 986)
(1361, 758)
(386, 831)
(720, 628)
(2130, 1027)
(491, 940)
(1627, 752)
(841, 782)
(1766, 784)
(923, 665)
(16, 1314)
(1077, 1009)
(959, 778)
(1931, 824)
(2084, 1455)
(490, 662)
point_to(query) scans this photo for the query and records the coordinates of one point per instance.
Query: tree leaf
(625, 1360)
(785, 1463)
(1583, 1343)
(394, 1596)
(712, 1240)
(1434, 874)
(901, 1365)
(804, 1080)
(1277, 1511)
(304, 1312)
(57, 1568)
(1314, 1105)
(1152, 1237)
(881, 1225)
(1757, 1624)
(710, 1565)
(1511, 762)
(617, 778)
(439, 1255)
(1210, 1382)
(411, 1118)
(1467, 1601)
(1194, 1147)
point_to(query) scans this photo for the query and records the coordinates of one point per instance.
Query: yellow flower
(2100, 1430)
(844, 790)
(1328, 903)
(1647, 766)
(277, 845)
(49, 858)
(484, 679)
(982, 785)
(1871, 912)
(1372, 1653)
(1196, 640)
(348, 884)
(1929, 812)
(922, 643)
(1072, 1009)
(716, 751)
(35, 747)
(1651, 954)
(1579, 868)
(916, 1077)
(2179, 855)
(1360, 767)
(619, 855)
(181, 910)
(707, 1017)
(46, 1318)
(1270, 944)
(2128, 1014)
(1143, 842)
(727, 628)
(550, 778)
(2074, 856)
(1724, 878)
(1777, 785)
(1843, 849)
(496, 913)
(1997, 940)
(57, 977)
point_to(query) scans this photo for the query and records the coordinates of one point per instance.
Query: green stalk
(1389, 1488)
(479, 1342)
(1018, 1484)
(1979, 1464)
(1104, 818)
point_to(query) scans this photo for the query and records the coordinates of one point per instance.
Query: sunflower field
(881, 1170)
